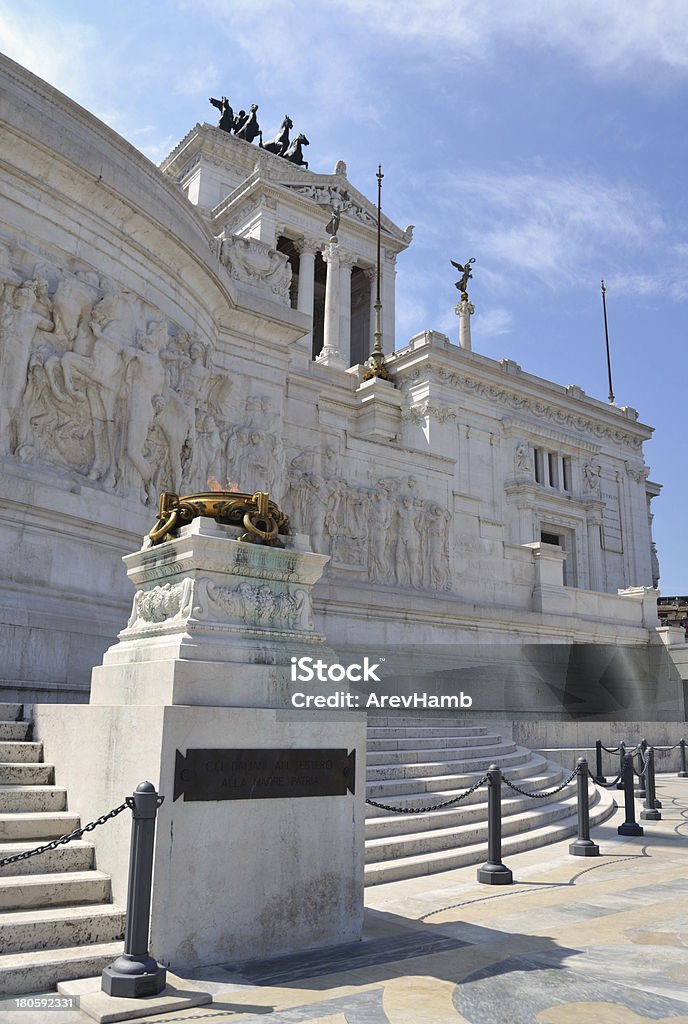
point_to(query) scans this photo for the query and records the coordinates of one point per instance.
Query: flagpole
(376, 363)
(606, 338)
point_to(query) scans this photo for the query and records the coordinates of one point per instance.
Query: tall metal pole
(376, 363)
(606, 338)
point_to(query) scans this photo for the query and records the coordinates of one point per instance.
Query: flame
(214, 485)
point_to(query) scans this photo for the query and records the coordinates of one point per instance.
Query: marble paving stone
(519, 990)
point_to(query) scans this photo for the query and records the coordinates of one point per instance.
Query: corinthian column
(330, 354)
(346, 262)
(307, 249)
(464, 310)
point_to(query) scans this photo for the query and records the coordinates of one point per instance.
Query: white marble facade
(158, 329)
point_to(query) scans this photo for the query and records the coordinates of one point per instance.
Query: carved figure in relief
(144, 380)
(256, 263)
(523, 458)
(408, 564)
(591, 476)
(436, 522)
(380, 519)
(73, 302)
(18, 328)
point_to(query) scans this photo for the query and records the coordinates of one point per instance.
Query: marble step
(74, 856)
(387, 790)
(69, 888)
(11, 712)
(25, 751)
(41, 970)
(447, 860)
(412, 727)
(530, 814)
(14, 731)
(30, 825)
(32, 798)
(53, 927)
(471, 808)
(376, 758)
(430, 768)
(26, 774)
(448, 740)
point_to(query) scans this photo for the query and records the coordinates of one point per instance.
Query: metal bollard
(630, 826)
(622, 754)
(683, 773)
(135, 973)
(650, 812)
(598, 762)
(583, 846)
(640, 786)
(493, 872)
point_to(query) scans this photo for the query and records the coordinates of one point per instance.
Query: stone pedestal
(204, 665)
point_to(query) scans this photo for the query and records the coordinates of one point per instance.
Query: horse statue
(280, 143)
(226, 122)
(294, 154)
(250, 129)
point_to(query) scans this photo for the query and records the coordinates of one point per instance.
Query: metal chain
(640, 774)
(604, 785)
(76, 834)
(436, 807)
(540, 796)
(610, 750)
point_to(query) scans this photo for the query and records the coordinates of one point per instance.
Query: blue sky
(546, 138)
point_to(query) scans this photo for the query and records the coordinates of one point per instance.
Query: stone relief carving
(523, 459)
(256, 263)
(261, 606)
(639, 475)
(591, 477)
(167, 601)
(96, 381)
(334, 197)
(382, 527)
(442, 413)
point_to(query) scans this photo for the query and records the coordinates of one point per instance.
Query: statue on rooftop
(249, 129)
(280, 143)
(294, 153)
(226, 122)
(462, 283)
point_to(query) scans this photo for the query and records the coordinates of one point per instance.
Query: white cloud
(61, 51)
(494, 321)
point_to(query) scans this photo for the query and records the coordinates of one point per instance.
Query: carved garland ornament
(515, 401)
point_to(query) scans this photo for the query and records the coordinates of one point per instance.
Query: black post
(135, 973)
(622, 754)
(583, 846)
(683, 773)
(630, 826)
(640, 786)
(650, 812)
(493, 872)
(598, 762)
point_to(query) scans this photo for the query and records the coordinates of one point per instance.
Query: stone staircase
(57, 921)
(418, 762)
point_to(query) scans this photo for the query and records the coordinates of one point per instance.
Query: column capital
(307, 246)
(347, 259)
(330, 253)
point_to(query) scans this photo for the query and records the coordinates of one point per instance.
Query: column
(464, 310)
(387, 293)
(330, 354)
(346, 262)
(307, 248)
(595, 567)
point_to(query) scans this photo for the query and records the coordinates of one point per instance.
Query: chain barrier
(610, 750)
(640, 774)
(540, 796)
(436, 807)
(76, 834)
(605, 785)
(660, 746)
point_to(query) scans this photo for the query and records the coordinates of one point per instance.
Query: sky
(545, 138)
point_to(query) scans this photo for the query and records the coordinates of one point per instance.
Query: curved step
(447, 860)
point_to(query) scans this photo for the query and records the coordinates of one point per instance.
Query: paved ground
(573, 941)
